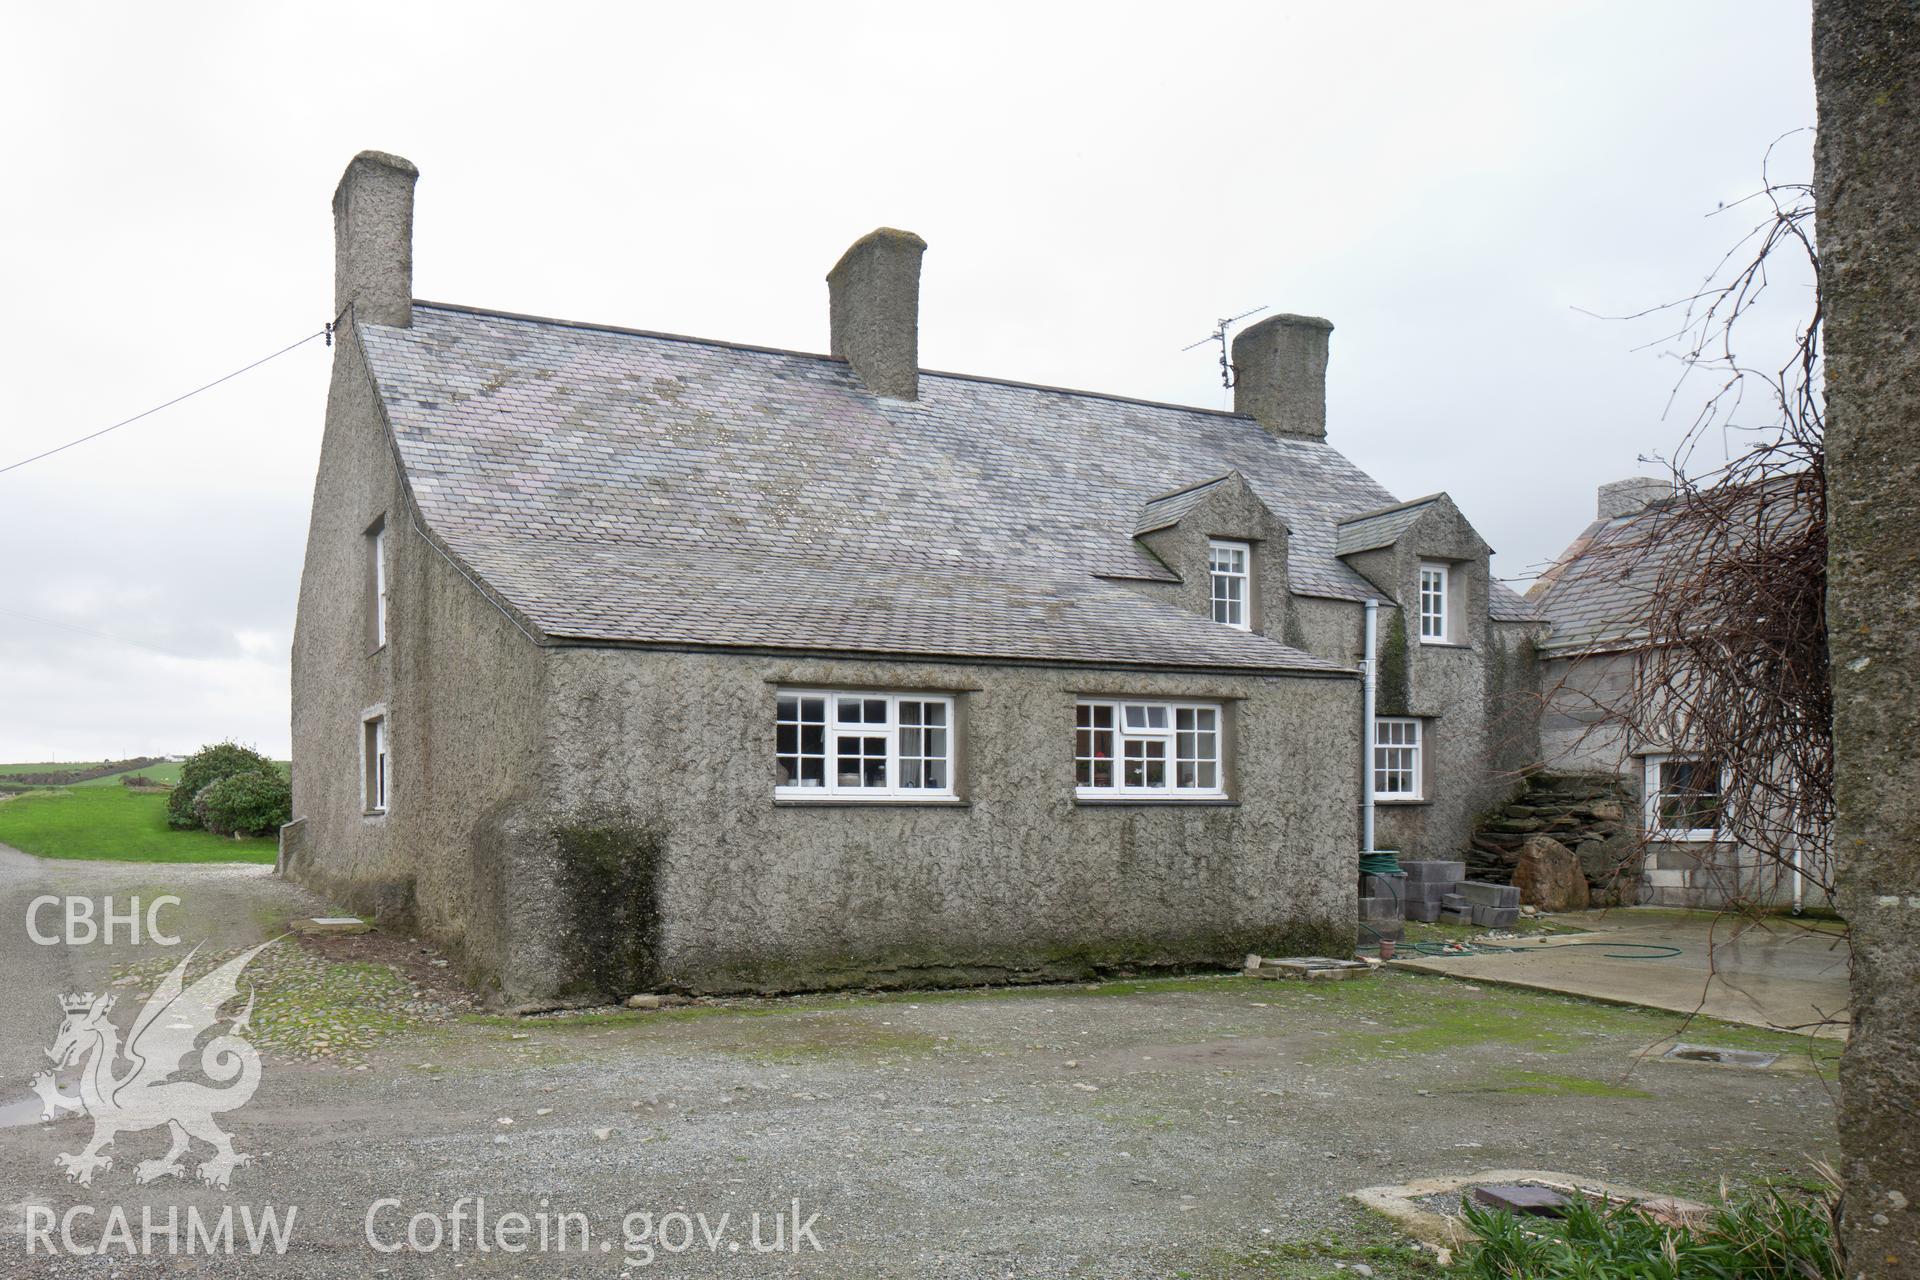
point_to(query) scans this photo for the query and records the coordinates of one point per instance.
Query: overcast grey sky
(1446, 183)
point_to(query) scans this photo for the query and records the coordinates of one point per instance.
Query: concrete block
(1429, 890)
(1666, 879)
(1495, 917)
(1489, 895)
(1463, 915)
(1454, 902)
(1423, 910)
(1432, 871)
(1388, 886)
(1381, 918)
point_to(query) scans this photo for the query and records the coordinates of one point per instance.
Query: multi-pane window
(1396, 759)
(1683, 799)
(1433, 603)
(1227, 565)
(377, 583)
(1146, 749)
(873, 746)
(373, 759)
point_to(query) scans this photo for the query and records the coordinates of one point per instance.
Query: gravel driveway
(1204, 1125)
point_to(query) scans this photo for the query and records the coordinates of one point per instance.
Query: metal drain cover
(1720, 1057)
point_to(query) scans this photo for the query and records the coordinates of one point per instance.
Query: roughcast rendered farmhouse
(631, 660)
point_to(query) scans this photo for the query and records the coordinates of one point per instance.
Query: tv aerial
(1219, 335)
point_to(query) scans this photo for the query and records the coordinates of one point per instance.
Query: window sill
(1687, 837)
(1186, 802)
(373, 815)
(872, 802)
(1443, 644)
(1400, 802)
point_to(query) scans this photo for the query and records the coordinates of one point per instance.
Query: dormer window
(1228, 564)
(1433, 604)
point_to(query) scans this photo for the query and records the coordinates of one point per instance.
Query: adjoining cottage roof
(1596, 594)
(627, 487)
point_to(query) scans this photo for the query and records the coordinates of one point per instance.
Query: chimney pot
(874, 296)
(373, 239)
(1280, 375)
(1632, 496)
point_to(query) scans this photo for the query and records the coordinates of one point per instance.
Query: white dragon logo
(144, 1096)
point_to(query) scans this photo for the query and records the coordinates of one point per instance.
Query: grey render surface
(608, 548)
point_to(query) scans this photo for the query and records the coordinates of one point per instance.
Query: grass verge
(116, 824)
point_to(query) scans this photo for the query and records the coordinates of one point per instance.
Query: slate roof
(626, 487)
(1377, 529)
(1166, 510)
(1595, 595)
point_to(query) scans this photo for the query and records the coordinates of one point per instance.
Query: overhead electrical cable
(326, 332)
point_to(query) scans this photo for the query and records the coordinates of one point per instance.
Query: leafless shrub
(1722, 588)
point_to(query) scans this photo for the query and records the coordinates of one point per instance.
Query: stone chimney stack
(874, 294)
(373, 239)
(1280, 375)
(1631, 497)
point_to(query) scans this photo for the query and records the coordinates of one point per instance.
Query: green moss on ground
(1368, 1241)
(305, 1006)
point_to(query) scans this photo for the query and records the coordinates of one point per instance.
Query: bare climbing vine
(1723, 586)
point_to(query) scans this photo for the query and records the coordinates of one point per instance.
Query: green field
(167, 773)
(49, 766)
(110, 821)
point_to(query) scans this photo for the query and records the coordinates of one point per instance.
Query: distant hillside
(67, 775)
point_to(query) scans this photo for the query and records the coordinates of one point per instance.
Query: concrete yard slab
(1404, 1204)
(1780, 973)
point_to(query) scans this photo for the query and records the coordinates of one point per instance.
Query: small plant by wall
(609, 878)
(1394, 688)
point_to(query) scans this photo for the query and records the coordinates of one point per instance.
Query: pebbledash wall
(507, 745)
(1015, 880)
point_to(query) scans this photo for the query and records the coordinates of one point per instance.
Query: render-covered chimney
(373, 239)
(1631, 497)
(874, 293)
(1280, 375)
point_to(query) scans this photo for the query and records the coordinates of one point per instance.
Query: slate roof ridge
(1189, 488)
(661, 335)
(1387, 511)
